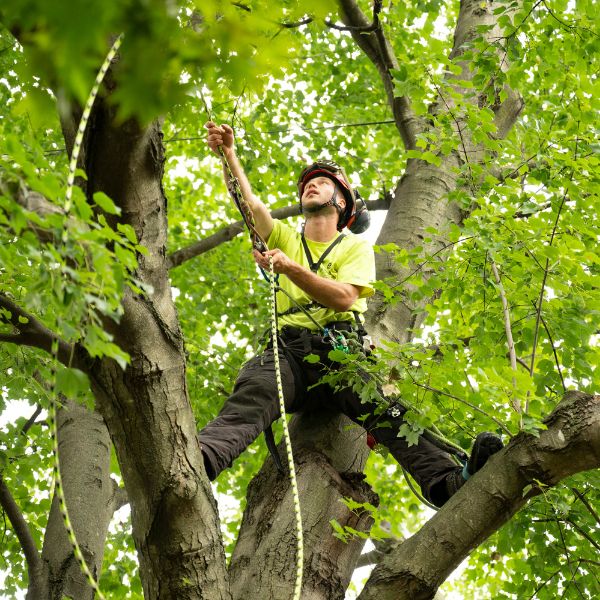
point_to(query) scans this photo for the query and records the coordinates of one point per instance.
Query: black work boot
(486, 444)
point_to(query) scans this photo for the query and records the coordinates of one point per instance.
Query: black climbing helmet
(355, 216)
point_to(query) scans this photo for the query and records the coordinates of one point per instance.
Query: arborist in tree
(325, 278)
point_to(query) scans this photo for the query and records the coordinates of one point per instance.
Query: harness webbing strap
(314, 266)
(301, 308)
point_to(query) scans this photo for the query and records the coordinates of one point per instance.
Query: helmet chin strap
(331, 202)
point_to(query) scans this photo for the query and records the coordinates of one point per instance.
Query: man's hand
(220, 136)
(334, 294)
(281, 262)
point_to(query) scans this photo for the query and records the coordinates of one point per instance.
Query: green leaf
(312, 358)
(106, 204)
(71, 382)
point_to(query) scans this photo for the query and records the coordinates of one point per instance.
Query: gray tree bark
(329, 468)
(174, 515)
(84, 450)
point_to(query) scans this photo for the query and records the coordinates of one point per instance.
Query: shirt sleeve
(279, 235)
(358, 266)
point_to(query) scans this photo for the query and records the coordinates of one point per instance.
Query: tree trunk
(174, 515)
(329, 467)
(420, 202)
(84, 450)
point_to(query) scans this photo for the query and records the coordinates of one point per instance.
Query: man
(325, 278)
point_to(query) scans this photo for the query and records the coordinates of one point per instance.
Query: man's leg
(250, 409)
(435, 472)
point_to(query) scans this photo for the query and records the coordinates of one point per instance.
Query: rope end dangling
(286, 435)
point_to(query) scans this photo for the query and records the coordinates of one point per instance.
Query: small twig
(236, 106)
(288, 130)
(524, 215)
(31, 420)
(242, 6)
(304, 21)
(567, 25)
(583, 534)
(544, 584)
(542, 290)
(585, 502)
(458, 127)
(268, 132)
(566, 550)
(428, 260)
(509, 338)
(295, 24)
(555, 355)
(467, 403)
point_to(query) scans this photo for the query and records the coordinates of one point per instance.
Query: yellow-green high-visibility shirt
(351, 261)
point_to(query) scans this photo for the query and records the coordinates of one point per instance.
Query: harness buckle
(339, 341)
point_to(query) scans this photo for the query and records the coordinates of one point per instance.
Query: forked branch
(370, 38)
(29, 331)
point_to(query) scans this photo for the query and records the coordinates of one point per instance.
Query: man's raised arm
(222, 136)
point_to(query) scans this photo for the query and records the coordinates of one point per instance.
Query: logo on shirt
(327, 270)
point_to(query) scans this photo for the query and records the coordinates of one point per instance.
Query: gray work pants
(254, 405)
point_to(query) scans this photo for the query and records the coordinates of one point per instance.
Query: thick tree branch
(120, 497)
(585, 502)
(474, 15)
(571, 444)
(228, 232)
(379, 51)
(23, 533)
(31, 421)
(373, 26)
(33, 202)
(32, 332)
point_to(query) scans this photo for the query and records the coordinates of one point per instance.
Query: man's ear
(340, 198)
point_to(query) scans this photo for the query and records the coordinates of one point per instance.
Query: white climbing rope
(286, 436)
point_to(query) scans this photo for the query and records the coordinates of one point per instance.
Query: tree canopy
(471, 125)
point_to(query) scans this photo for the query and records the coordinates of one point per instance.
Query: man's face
(319, 190)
